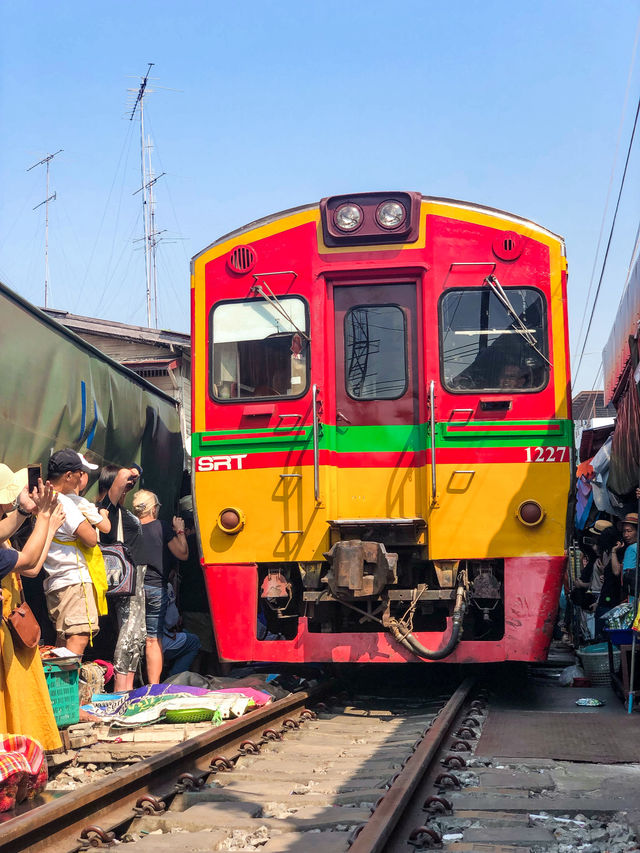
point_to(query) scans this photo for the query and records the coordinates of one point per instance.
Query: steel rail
(375, 834)
(56, 826)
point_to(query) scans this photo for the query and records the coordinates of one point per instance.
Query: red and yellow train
(382, 442)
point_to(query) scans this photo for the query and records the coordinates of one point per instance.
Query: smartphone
(34, 472)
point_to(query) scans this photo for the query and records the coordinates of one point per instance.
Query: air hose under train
(403, 635)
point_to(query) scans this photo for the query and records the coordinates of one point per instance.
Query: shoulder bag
(23, 625)
(121, 571)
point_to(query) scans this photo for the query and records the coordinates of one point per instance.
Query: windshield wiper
(519, 326)
(275, 303)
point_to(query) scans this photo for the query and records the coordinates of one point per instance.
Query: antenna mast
(45, 162)
(146, 217)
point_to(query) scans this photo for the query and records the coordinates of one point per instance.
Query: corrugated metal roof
(588, 405)
(119, 330)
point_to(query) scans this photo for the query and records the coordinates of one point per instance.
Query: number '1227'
(547, 454)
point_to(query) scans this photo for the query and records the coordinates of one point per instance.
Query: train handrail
(316, 446)
(432, 417)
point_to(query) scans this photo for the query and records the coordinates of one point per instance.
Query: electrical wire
(107, 273)
(611, 177)
(126, 146)
(613, 224)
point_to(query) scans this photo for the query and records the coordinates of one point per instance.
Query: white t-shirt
(65, 565)
(89, 510)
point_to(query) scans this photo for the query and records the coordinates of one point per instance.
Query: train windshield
(484, 348)
(375, 352)
(260, 349)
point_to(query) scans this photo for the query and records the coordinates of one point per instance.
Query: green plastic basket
(62, 682)
(189, 715)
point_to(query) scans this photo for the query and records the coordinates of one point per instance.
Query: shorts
(73, 610)
(156, 601)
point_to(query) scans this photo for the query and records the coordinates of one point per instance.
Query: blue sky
(512, 105)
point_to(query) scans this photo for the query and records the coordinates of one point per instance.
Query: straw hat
(11, 484)
(630, 518)
(600, 526)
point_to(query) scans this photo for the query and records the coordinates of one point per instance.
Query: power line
(613, 223)
(613, 169)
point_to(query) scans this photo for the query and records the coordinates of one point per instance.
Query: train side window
(260, 349)
(375, 352)
(482, 346)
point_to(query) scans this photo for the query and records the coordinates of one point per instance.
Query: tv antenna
(45, 162)
(148, 181)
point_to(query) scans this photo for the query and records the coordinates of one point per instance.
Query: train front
(381, 435)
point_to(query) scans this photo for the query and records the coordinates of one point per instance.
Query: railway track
(284, 777)
(320, 772)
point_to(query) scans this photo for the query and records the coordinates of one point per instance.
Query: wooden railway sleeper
(222, 763)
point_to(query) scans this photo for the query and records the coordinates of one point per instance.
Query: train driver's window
(260, 349)
(485, 348)
(375, 352)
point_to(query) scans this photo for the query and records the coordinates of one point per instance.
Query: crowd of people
(608, 553)
(66, 542)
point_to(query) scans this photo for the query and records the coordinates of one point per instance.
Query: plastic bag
(567, 675)
(620, 616)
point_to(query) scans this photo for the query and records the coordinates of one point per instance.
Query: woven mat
(600, 739)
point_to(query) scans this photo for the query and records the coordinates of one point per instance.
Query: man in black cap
(70, 596)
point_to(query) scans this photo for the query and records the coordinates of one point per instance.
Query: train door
(378, 437)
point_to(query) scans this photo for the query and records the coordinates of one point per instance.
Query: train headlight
(530, 513)
(391, 214)
(348, 217)
(230, 520)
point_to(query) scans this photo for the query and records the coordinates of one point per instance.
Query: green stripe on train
(386, 439)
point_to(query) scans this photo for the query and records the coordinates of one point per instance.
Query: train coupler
(360, 569)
